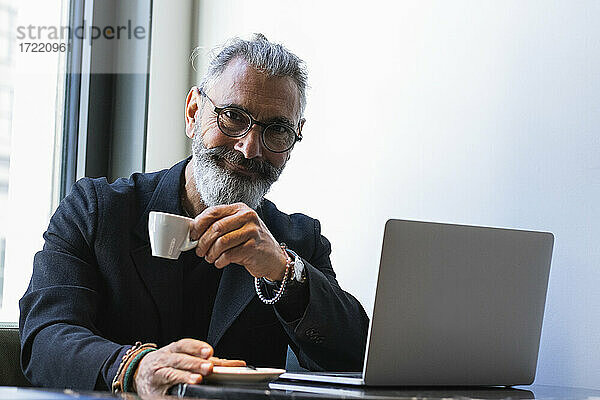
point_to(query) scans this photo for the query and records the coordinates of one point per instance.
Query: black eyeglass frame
(218, 110)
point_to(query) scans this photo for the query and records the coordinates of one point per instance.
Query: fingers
(228, 232)
(212, 214)
(169, 376)
(192, 347)
(236, 255)
(184, 361)
(225, 249)
(216, 230)
(161, 369)
(189, 363)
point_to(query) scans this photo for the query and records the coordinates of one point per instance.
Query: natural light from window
(29, 122)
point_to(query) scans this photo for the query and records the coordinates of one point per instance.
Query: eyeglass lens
(235, 123)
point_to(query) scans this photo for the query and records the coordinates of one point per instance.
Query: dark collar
(166, 197)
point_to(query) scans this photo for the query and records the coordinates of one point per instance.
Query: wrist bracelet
(130, 370)
(126, 361)
(289, 263)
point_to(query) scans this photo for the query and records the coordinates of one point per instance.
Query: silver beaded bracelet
(289, 264)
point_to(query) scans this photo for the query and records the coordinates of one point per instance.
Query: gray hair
(267, 57)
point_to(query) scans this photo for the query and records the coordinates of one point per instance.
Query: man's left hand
(235, 233)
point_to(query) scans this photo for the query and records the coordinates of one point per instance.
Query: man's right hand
(184, 361)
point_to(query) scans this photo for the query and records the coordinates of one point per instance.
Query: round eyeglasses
(235, 122)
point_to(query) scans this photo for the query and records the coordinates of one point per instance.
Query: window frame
(105, 119)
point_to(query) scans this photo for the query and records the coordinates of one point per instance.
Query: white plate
(243, 374)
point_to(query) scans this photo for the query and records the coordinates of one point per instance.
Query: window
(2, 246)
(30, 125)
(76, 108)
(7, 19)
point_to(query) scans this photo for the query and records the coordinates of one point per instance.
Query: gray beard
(218, 185)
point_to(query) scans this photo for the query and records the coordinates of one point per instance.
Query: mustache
(262, 168)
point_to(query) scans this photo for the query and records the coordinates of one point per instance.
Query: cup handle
(188, 244)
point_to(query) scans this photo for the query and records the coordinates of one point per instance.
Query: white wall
(466, 111)
(168, 85)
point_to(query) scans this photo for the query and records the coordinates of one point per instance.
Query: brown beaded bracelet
(128, 357)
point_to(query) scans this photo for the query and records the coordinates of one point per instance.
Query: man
(96, 289)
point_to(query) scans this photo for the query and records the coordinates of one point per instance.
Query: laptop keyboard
(340, 374)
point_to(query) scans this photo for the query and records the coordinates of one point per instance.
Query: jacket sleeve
(332, 333)
(60, 344)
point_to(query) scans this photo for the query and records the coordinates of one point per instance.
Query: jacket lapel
(163, 278)
(236, 289)
(165, 197)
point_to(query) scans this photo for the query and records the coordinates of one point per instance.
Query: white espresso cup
(169, 234)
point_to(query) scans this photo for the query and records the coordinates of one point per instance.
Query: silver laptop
(455, 305)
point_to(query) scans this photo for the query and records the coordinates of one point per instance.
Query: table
(298, 391)
(313, 392)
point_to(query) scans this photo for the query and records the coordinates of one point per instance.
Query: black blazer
(96, 289)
